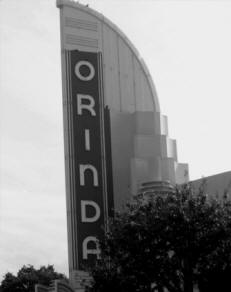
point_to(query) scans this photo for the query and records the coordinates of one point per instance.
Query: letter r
(81, 106)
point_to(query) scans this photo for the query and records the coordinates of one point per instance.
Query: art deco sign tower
(115, 137)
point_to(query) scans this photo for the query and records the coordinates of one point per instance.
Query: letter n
(83, 168)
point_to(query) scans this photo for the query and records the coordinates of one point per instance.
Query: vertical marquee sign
(89, 176)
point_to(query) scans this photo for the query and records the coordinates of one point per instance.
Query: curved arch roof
(112, 27)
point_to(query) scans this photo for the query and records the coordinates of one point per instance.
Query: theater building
(116, 138)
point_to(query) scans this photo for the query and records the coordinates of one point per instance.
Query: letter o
(91, 74)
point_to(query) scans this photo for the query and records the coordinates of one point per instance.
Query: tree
(27, 277)
(170, 243)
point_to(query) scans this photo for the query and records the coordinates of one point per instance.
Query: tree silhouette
(27, 277)
(174, 242)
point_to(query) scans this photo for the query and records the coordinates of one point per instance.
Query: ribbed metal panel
(81, 24)
(72, 39)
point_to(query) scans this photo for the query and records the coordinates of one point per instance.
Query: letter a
(87, 251)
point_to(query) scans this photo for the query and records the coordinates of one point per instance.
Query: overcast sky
(187, 48)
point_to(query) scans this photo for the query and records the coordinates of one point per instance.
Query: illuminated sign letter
(87, 139)
(89, 76)
(87, 251)
(81, 106)
(84, 213)
(83, 168)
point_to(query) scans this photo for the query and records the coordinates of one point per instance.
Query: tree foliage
(170, 243)
(27, 277)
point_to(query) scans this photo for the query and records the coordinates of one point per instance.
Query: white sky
(186, 46)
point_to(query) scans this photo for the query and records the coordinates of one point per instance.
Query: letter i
(87, 139)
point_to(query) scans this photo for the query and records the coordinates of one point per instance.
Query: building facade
(115, 136)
